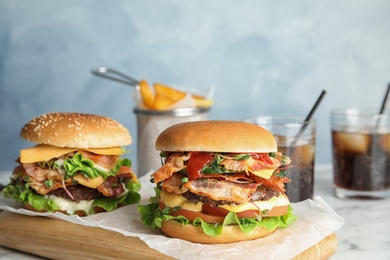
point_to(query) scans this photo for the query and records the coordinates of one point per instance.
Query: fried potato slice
(162, 102)
(147, 94)
(201, 101)
(172, 93)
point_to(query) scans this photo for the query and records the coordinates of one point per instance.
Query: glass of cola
(361, 153)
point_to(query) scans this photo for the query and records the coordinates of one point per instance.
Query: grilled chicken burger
(76, 167)
(221, 182)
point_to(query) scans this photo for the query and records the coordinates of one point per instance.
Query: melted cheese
(88, 182)
(42, 152)
(71, 207)
(281, 200)
(174, 200)
(264, 173)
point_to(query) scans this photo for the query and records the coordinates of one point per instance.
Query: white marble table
(365, 235)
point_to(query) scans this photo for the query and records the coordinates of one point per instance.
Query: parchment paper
(316, 220)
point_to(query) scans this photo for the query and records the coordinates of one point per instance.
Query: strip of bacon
(222, 190)
(111, 187)
(38, 176)
(274, 182)
(234, 165)
(177, 160)
(164, 173)
(174, 184)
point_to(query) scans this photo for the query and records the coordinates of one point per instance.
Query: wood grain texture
(323, 250)
(58, 239)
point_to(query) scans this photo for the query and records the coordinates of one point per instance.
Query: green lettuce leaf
(77, 164)
(20, 194)
(151, 215)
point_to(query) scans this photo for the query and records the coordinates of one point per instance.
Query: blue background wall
(263, 57)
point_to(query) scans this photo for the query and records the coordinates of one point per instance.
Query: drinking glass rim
(281, 120)
(359, 111)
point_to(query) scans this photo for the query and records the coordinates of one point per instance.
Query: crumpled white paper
(316, 220)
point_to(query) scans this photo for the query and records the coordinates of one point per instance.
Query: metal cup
(150, 123)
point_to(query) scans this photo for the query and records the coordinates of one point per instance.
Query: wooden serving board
(58, 239)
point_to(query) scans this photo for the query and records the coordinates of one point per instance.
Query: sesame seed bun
(216, 136)
(76, 130)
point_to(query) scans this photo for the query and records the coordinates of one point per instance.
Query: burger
(220, 182)
(76, 166)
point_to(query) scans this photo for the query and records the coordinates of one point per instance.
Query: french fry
(202, 102)
(147, 94)
(172, 93)
(162, 101)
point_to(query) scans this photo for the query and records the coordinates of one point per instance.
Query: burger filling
(80, 180)
(218, 188)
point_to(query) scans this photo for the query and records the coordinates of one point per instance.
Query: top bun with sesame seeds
(76, 130)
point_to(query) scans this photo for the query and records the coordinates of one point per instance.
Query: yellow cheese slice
(69, 206)
(42, 152)
(89, 182)
(281, 200)
(264, 173)
(173, 200)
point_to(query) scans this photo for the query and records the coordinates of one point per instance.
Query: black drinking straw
(384, 102)
(375, 141)
(307, 119)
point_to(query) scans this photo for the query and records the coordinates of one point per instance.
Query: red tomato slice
(209, 214)
(218, 211)
(191, 215)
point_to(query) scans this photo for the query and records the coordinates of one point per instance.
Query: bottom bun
(195, 234)
(80, 213)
